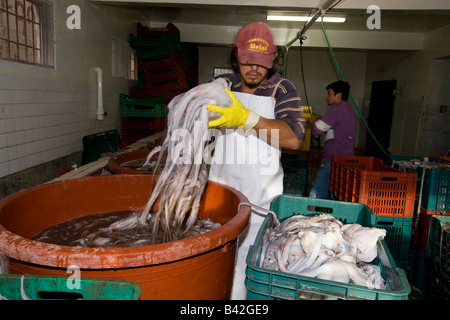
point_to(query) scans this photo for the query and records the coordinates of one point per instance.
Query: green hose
(350, 94)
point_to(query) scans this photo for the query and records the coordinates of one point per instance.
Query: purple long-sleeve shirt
(339, 123)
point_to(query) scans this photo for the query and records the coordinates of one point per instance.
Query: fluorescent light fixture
(286, 16)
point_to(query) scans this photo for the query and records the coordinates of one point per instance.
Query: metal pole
(319, 12)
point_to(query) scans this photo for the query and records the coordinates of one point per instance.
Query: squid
(363, 240)
(323, 247)
(183, 179)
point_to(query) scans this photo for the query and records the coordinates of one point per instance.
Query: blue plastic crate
(33, 287)
(437, 285)
(436, 180)
(439, 242)
(407, 162)
(398, 236)
(94, 145)
(267, 284)
(295, 181)
(142, 107)
(436, 190)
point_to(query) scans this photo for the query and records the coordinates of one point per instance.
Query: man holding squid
(266, 114)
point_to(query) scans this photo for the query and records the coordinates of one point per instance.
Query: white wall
(434, 137)
(45, 112)
(422, 83)
(435, 128)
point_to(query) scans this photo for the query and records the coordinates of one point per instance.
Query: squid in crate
(323, 247)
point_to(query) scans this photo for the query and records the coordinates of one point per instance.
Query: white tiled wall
(42, 120)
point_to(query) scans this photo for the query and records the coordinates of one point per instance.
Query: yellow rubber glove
(235, 115)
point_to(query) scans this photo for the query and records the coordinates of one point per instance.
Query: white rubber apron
(252, 166)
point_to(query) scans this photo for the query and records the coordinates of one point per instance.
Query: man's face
(333, 98)
(252, 75)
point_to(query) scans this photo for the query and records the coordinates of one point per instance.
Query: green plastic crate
(398, 236)
(437, 282)
(157, 53)
(267, 284)
(436, 181)
(94, 145)
(146, 43)
(436, 190)
(142, 107)
(32, 287)
(439, 242)
(295, 180)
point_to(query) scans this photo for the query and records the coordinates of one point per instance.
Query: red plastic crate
(139, 123)
(342, 174)
(314, 158)
(422, 230)
(170, 29)
(154, 78)
(133, 134)
(177, 87)
(386, 191)
(170, 63)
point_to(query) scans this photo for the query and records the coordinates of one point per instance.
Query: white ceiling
(403, 22)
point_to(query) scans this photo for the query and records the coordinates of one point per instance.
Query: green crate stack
(33, 287)
(157, 45)
(295, 181)
(141, 117)
(142, 107)
(437, 284)
(94, 145)
(264, 284)
(436, 189)
(433, 180)
(164, 71)
(432, 198)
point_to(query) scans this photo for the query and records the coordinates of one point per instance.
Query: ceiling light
(285, 16)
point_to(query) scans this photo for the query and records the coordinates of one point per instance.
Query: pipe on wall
(100, 111)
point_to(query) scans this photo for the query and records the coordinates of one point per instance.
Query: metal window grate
(133, 65)
(123, 60)
(217, 71)
(21, 31)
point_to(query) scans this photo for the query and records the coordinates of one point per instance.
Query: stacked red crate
(342, 174)
(385, 190)
(162, 65)
(388, 192)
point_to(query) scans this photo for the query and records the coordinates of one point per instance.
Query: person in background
(339, 126)
(266, 114)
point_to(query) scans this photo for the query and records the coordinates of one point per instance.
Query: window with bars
(217, 71)
(26, 29)
(123, 60)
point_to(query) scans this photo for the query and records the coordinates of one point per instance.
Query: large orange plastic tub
(199, 267)
(115, 164)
